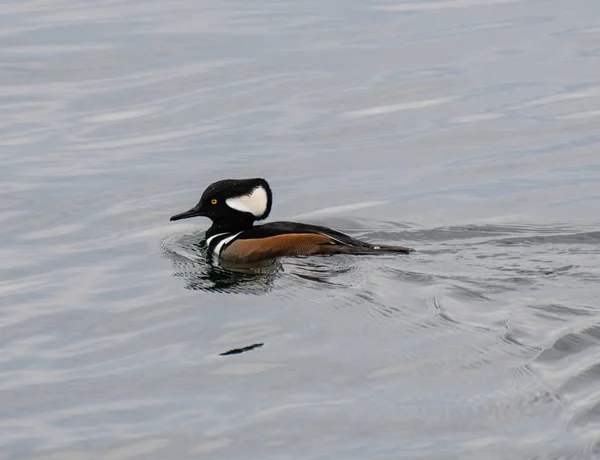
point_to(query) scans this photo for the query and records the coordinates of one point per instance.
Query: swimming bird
(234, 205)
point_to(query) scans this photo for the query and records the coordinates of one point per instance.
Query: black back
(283, 228)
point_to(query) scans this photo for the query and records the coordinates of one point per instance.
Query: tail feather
(370, 248)
(386, 248)
(365, 249)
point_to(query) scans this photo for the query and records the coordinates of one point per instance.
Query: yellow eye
(213, 201)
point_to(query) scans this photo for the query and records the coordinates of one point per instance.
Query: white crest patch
(255, 202)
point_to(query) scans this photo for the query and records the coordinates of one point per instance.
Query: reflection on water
(200, 270)
(193, 263)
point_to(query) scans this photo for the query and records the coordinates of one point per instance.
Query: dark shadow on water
(237, 351)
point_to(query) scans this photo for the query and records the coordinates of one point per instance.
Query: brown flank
(290, 244)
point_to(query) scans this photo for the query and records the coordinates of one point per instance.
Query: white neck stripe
(208, 240)
(223, 242)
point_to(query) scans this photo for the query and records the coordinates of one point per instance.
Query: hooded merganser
(234, 205)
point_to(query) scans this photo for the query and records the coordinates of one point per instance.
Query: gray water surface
(466, 129)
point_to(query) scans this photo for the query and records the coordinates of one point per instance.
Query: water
(466, 129)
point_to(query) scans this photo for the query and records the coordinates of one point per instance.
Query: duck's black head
(232, 204)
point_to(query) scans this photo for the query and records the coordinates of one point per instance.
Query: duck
(235, 205)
